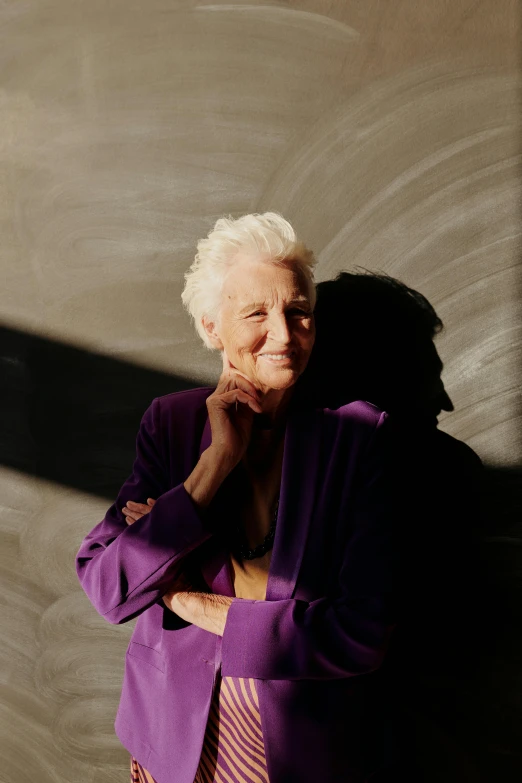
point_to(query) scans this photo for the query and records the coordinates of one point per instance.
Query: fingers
(233, 379)
(231, 375)
(248, 400)
(232, 397)
(133, 511)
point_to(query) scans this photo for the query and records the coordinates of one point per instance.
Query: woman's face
(267, 325)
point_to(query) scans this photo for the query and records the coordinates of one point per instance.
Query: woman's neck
(268, 430)
(264, 453)
(275, 409)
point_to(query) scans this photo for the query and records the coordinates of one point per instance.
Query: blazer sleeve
(124, 568)
(337, 636)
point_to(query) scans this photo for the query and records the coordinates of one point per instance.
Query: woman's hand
(133, 511)
(231, 409)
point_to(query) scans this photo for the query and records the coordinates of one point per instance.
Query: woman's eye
(294, 311)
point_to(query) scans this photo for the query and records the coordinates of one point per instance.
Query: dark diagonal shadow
(71, 416)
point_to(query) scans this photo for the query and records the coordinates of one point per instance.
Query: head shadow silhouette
(375, 342)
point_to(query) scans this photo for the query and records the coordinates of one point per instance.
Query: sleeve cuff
(236, 637)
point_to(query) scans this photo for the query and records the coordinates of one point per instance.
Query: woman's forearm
(206, 610)
(206, 478)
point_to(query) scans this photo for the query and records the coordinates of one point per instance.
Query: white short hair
(268, 236)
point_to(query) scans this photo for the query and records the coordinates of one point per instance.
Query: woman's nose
(279, 328)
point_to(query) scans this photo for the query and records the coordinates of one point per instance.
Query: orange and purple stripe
(139, 774)
(233, 749)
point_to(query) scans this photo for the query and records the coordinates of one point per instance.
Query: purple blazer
(329, 610)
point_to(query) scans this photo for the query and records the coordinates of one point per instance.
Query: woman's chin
(280, 380)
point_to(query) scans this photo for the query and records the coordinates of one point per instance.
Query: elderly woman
(253, 541)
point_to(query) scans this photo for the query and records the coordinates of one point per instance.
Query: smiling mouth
(278, 357)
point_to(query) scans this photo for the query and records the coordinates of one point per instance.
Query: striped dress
(233, 749)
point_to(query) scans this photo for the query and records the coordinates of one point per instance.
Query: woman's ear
(210, 328)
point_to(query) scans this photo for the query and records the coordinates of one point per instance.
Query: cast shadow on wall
(446, 688)
(71, 416)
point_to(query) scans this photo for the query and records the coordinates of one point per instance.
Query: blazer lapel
(215, 567)
(299, 475)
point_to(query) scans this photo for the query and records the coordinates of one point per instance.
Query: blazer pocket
(146, 654)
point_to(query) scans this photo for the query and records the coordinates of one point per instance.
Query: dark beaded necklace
(244, 551)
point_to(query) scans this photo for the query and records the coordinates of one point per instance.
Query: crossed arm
(126, 568)
(206, 610)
